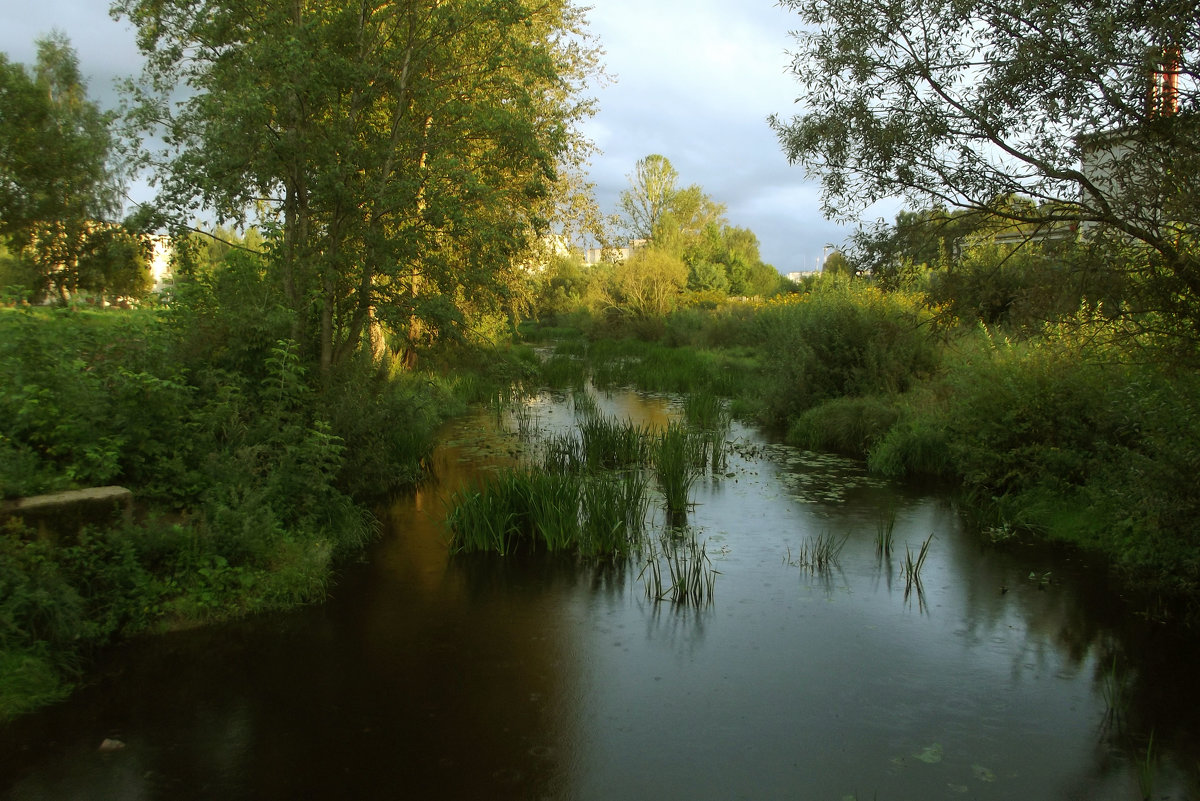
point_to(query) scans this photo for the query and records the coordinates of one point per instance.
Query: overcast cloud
(695, 81)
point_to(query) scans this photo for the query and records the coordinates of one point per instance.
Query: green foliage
(55, 176)
(657, 368)
(848, 425)
(648, 283)
(1020, 286)
(1052, 437)
(83, 404)
(596, 513)
(403, 159)
(844, 339)
(561, 289)
(678, 462)
(918, 444)
(1059, 128)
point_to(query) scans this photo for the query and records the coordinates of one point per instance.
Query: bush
(850, 426)
(1100, 452)
(843, 339)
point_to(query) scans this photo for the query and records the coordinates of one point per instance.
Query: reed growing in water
(679, 571)
(678, 462)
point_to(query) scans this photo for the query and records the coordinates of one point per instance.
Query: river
(1011, 672)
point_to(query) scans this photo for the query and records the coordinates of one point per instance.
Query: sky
(694, 80)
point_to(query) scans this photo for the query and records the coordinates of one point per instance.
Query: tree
(649, 196)
(649, 282)
(1086, 109)
(836, 264)
(56, 181)
(404, 154)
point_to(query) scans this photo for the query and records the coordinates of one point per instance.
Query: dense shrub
(843, 339)
(850, 426)
(1076, 444)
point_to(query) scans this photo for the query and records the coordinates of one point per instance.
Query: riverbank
(252, 481)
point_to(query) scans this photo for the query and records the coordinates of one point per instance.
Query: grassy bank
(253, 479)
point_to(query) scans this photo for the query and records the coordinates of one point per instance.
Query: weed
(613, 513)
(612, 444)
(1114, 688)
(885, 534)
(705, 410)
(689, 578)
(910, 568)
(820, 554)
(676, 454)
(1147, 770)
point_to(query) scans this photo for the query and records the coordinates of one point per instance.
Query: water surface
(432, 676)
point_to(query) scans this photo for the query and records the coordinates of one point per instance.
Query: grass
(564, 370)
(1147, 770)
(885, 534)
(705, 410)
(612, 444)
(820, 554)
(523, 510)
(679, 571)
(1114, 688)
(614, 513)
(910, 569)
(584, 403)
(678, 462)
(562, 453)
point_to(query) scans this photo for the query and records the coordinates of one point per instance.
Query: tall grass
(678, 462)
(910, 568)
(679, 571)
(612, 444)
(820, 554)
(705, 410)
(614, 510)
(522, 510)
(562, 453)
(885, 534)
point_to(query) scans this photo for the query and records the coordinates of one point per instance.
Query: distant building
(161, 252)
(612, 254)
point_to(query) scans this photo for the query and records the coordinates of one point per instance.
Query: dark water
(428, 676)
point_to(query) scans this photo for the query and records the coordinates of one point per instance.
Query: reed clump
(679, 459)
(885, 531)
(679, 571)
(820, 554)
(524, 510)
(910, 569)
(610, 444)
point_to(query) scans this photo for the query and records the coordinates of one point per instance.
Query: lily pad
(930, 754)
(983, 774)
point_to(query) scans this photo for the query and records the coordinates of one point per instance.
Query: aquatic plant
(819, 554)
(612, 444)
(1114, 689)
(561, 370)
(705, 410)
(614, 507)
(885, 534)
(1147, 770)
(562, 453)
(584, 403)
(676, 454)
(529, 426)
(910, 569)
(483, 518)
(553, 505)
(689, 577)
